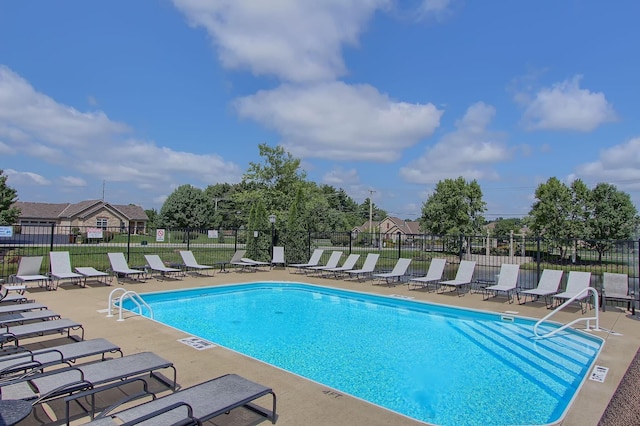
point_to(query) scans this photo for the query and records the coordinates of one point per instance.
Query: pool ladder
(588, 320)
(127, 294)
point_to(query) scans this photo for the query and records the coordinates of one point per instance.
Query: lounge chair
(615, 287)
(90, 272)
(331, 263)
(23, 359)
(27, 316)
(205, 400)
(463, 278)
(547, 286)
(314, 260)
(191, 264)
(29, 271)
(434, 275)
(119, 267)
(278, 257)
(239, 254)
(17, 332)
(61, 269)
(248, 264)
(367, 268)
(59, 382)
(348, 265)
(396, 274)
(157, 265)
(507, 282)
(20, 307)
(577, 283)
(7, 297)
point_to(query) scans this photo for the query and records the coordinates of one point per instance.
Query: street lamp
(272, 220)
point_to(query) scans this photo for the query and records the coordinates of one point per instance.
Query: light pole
(272, 220)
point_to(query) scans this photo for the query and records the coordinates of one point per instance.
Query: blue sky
(372, 95)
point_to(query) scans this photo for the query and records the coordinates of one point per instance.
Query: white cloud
(468, 151)
(619, 164)
(565, 106)
(340, 122)
(438, 9)
(293, 40)
(6, 149)
(73, 181)
(340, 177)
(15, 177)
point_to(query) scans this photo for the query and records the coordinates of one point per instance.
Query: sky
(127, 100)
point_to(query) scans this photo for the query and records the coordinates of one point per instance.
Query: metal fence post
(399, 244)
(538, 258)
(53, 230)
(129, 244)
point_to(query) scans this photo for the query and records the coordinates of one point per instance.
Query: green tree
(295, 240)
(454, 208)
(8, 214)
(549, 215)
(504, 227)
(153, 216)
(186, 207)
(377, 214)
(613, 217)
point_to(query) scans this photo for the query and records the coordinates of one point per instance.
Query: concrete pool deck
(301, 401)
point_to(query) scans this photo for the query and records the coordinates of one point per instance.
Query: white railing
(127, 294)
(588, 320)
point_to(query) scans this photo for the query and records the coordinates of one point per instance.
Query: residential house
(389, 228)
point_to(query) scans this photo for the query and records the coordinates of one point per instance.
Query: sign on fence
(94, 233)
(212, 233)
(6, 231)
(159, 235)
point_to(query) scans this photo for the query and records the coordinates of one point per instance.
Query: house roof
(406, 226)
(31, 210)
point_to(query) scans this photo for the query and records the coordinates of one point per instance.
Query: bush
(340, 239)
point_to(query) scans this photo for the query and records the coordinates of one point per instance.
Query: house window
(102, 222)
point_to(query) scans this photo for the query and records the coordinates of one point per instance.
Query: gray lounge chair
(119, 267)
(278, 257)
(615, 287)
(20, 307)
(367, 268)
(157, 265)
(331, 263)
(90, 272)
(61, 269)
(434, 275)
(547, 286)
(24, 359)
(314, 260)
(577, 283)
(507, 282)
(463, 278)
(203, 402)
(12, 297)
(396, 274)
(191, 264)
(348, 265)
(17, 332)
(27, 316)
(59, 382)
(29, 272)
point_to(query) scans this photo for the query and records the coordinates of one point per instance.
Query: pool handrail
(591, 290)
(135, 298)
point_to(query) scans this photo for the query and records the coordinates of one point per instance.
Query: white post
(487, 250)
(511, 246)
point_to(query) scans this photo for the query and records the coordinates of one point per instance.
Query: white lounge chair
(278, 257)
(463, 278)
(61, 269)
(11, 294)
(27, 316)
(615, 287)
(547, 286)
(507, 282)
(314, 260)
(331, 263)
(20, 307)
(90, 272)
(367, 268)
(119, 267)
(399, 270)
(191, 264)
(29, 271)
(348, 265)
(577, 283)
(157, 265)
(434, 275)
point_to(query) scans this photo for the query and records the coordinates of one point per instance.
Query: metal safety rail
(127, 294)
(588, 320)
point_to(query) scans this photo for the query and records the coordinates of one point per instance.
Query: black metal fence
(88, 246)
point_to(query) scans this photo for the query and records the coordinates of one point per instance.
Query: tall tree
(504, 227)
(186, 207)
(153, 216)
(8, 214)
(549, 215)
(296, 249)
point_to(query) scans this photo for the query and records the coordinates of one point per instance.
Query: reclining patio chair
(507, 282)
(20, 307)
(201, 403)
(157, 265)
(331, 263)
(29, 271)
(348, 265)
(61, 269)
(59, 382)
(90, 272)
(16, 332)
(615, 287)
(399, 270)
(24, 360)
(577, 283)
(10, 298)
(367, 268)
(191, 264)
(27, 316)
(278, 257)
(314, 260)
(119, 267)
(434, 275)
(463, 278)
(547, 286)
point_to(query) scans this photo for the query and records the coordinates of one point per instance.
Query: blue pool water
(437, 364)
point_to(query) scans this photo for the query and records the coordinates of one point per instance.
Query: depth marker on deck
(197, 343)
(599, 373)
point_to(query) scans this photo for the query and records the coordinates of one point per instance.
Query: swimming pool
(434, 363)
